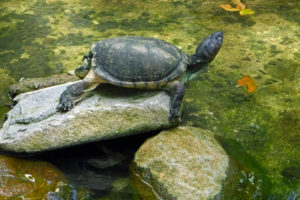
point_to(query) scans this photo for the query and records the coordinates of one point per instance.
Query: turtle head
(81, 71)
(205, 52)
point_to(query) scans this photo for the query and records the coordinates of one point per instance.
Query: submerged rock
(90, 180)
(25, 179)
(34, 125)
(110, 159)
(182, 163)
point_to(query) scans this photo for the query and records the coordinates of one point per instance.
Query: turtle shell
(131, 60)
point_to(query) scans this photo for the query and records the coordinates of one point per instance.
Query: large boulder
(34, 125)
(182, 163)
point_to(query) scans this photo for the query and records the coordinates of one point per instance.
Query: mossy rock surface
(182, 163)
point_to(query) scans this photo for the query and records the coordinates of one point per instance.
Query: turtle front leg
(75, 92)
(177, 91)
(71, 95)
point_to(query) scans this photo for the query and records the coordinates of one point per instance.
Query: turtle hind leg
(177, 91)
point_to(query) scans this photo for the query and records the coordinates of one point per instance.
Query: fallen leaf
(249, 82)
(240, 6)
(246, 12)
(228, 7)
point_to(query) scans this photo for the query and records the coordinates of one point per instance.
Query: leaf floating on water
(239, 6)
(228, 7)
(246, 12)
(249, 82)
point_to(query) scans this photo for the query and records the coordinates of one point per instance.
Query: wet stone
(26, 179)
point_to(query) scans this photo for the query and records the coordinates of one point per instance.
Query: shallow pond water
(260, 131)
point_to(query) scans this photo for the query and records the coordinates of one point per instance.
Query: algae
(246, 178)
(266, 130)
(5, 103)
(44, 37)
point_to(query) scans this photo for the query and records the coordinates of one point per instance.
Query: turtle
(142, 63)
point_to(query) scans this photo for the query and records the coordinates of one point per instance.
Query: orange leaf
(228, 7)
(249, 82)
(240, 6)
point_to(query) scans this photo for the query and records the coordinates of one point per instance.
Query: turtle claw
(65, 105)
(71, 95)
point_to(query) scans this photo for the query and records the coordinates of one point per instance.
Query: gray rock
(34, 125)
(182, 163)
(31, 84)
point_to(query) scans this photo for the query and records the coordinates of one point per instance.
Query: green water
(261, 130)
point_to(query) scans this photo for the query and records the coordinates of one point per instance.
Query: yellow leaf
(228, 7)
(246, 12)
